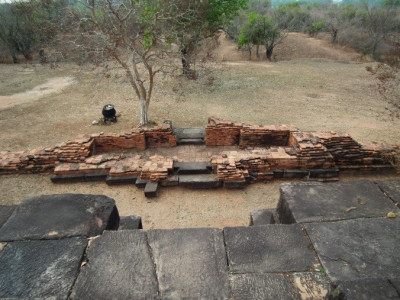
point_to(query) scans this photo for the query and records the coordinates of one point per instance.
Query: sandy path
(55, 85)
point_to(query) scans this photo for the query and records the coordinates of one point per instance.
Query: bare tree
(379, 21)
(130, 32)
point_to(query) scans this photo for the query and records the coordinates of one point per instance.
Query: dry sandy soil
(320, 88)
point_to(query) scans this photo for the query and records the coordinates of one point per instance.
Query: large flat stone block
(40, 269)
(60, 216)
(119, 267)
(316, 202)
(268, 248)
(313, 286)
(191, 263)
(362, 248)
(5, 212)
(392, 189)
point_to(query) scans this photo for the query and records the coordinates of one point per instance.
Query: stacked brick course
(254, 136)
(229, 167)
(112, 142)
(344, 151)
(160, 136)
(93, 165)
(157, 168)
(131, 166)
(31, 161)
(343, 148)
(222, 133)
(76, 150)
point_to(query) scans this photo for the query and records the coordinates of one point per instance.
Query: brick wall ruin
(264, 153)
(78, 150)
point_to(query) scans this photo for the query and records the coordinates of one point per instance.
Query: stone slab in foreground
(40, 269)
(191, 263)
(317, 202)
(279, 286)
(119, 267)
(60, 216)
(268, 249)
(354, 249)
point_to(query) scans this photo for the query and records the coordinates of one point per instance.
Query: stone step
(121, 180)
(141, 183)
(130, 222)
(151, 189)
(198, 167)
(202, 181)
(190, 141)
(78, 177)
(190, 133)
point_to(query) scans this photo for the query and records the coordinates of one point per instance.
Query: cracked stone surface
(268, 248)
(280, 286)
(356, 249)
(317, 202)
(392, 189)
(40, 269)
(190, 263)
(60, 216)
(119, 267)
(366, 289)
(5, 213)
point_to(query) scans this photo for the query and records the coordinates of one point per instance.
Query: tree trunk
(189, 73)
(257, 49)
(334, 33)
(269, 52)
(143, 112)
(185, 62)
(15, 59)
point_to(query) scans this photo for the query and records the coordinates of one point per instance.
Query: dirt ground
(322, 88)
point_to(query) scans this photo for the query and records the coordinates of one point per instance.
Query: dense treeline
(368, 27)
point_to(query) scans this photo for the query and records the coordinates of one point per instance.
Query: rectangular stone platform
(268, 249)
(358, 249)
(191, 263)
(317, 202)
(40, 269)
(119, 266)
